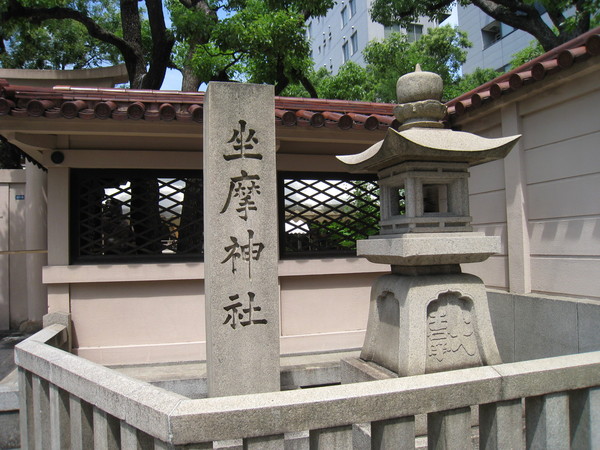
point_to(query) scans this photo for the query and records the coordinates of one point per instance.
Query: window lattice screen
(324, 214)
(131, 215)
(128, 215)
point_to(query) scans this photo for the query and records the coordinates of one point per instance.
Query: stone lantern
(426, 315)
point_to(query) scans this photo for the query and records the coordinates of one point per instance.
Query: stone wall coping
(107, 273)
(179, 420)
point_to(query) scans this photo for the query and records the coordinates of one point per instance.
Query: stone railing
(69, 402)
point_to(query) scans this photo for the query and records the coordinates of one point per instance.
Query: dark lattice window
(153, 216)
(324, 214)
(129, 215)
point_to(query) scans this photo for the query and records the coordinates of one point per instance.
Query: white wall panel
(565, 198)
(574, 157)
(551, 125)
(125, 314)
(325, 304)
(489, 207)
(493, 271)
(487, 177)
(566, 276)
(565, 237)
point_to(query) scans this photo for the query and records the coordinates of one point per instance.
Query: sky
(172, 80)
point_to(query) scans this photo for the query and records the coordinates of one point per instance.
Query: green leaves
(33, 43)
(404, 12)
(533, 50)
(441, 50)
(352, 82)
(469, 82)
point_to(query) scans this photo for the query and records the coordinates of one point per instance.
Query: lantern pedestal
(429, 323)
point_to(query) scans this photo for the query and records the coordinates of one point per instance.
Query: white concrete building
(494, 43)
(344, 32)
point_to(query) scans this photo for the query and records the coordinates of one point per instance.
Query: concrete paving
(9, 419)
(8, 340)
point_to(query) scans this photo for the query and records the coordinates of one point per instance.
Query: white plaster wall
(13, 271)
(139, 322)
(19, 276)
(135, 314)
(561, 167)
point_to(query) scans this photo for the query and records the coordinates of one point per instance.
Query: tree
(10, 157)
(470, 81)
(533, 50)
(525, 15)
(245, 40)
(56, 46)
(361, 218)
(122, 31)
(441, 50)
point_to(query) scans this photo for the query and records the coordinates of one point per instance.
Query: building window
(136, 215)
(323, 214)
(344, 14)
(345, 52)
(504, 68)
(352, 8)
(414, 31)
(491, 33)
(354, 42)
(387, 31)
(309, 31)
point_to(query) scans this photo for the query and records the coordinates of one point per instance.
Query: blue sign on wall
(20, 197)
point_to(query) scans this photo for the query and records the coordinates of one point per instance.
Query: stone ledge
(429, 248)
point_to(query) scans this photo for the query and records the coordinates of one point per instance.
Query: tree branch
(281, 79)
(308, 86)
(162, 44)
(391, 12)
(520, 16)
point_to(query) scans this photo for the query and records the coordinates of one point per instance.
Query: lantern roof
(429, 145)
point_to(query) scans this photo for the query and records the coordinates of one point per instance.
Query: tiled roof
(563, 57)
(131, 104)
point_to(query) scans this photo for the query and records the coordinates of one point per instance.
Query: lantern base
(429, 323)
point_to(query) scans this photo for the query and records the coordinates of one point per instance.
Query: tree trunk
(191, 227)
(191, 81)
(132, 33)
(146, 222)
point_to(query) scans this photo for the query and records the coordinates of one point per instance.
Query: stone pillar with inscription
(240, 240)
(426, 315)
